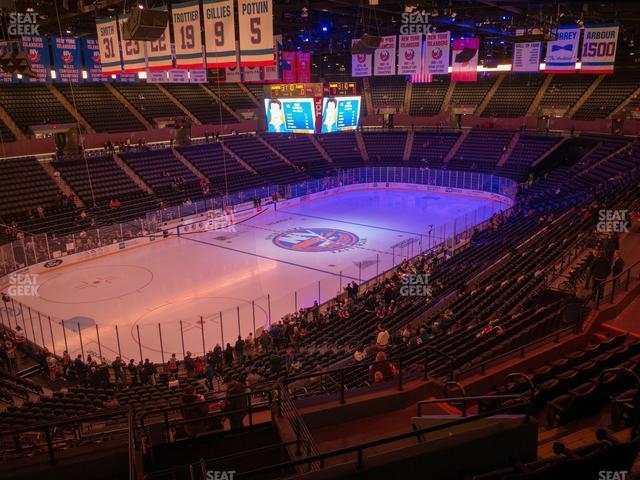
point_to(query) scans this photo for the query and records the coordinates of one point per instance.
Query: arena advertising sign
(159, 56)
(562, 53)
(409, 54)
(186, 34)
(361, 63)
(526, 57)
(255, 26)
(133, 56)
(219, 33)
(599, 48)
(437, 57)
(385, 57)
(109, 45)
(67, 59)
(37, 49)
(465, 60)
(92, 60)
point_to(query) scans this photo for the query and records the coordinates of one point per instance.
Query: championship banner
(178, 75)
(409, 54)
(251, 74)
(465, 60)
(109, 46)
(6, 77)
(255, 25)
(304, 67)
(219, 33)
(159, 55)
(127, 78)
(198, 75)
(361, 63)
(599, 48)
(37, 49)
(437, 57)
(232, 75)
(289, 66)
(67, 59)
(157, 76)
(186, 34)
(385, 57)
(133, 55)
(526, 57)
(562, 53)
(92, 65)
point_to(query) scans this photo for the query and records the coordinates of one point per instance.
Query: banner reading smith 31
(255, 24)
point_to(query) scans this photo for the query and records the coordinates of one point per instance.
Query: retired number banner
(133, 57)
(562, 53)
(159, 51)
(599, 48)
(187, 35)
(219, 33)
(109, 45)
(255, 25)
(409, 54)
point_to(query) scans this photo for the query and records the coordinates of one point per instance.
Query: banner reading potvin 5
(186, 34)
(109, 45)
(133, 56)
(255, 24)
(159, 51)
(599, 48)
(219, 33)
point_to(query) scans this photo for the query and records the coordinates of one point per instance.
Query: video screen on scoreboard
(340, 114)
(290, 115)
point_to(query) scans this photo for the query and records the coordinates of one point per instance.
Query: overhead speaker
(367, 44)
(16, 61)
(146, 25)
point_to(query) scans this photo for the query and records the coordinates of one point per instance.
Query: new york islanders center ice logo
(315, 239)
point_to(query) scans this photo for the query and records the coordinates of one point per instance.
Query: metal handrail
(464, 400)
(360, 448)
(599, 293)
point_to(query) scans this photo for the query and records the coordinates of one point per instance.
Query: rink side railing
(58, 334)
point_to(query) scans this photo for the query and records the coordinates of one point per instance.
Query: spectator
(360, 354)
(382, 339)
(172, 365)
(239, 349)
(235, 402)
(193, 414)
(189, 365)
(381, 365)
(228, 355)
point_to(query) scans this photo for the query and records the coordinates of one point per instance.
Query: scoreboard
(293, 90)
(335, 89)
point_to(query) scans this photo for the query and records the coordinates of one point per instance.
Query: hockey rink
(202, 288)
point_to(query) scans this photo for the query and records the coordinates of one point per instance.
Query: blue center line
(268, 258)
(353, 223)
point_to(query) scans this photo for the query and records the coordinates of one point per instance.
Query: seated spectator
(382, 339)
(191, 413)
(382, 366)
(360, 354)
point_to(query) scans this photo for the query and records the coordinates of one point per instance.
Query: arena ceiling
(325, 27)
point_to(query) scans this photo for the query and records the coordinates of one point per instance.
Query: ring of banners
(201, 34)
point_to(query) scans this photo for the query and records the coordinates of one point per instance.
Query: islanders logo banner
(316, 240)
(437, 58)
(385, 57)
(409, 54)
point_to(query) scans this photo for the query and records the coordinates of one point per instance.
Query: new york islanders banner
(361, 63)
(385, 57)
(303, 59)
(599, 48)
(437, 57)
(91, 54)
(133, 56)
(465, 60)
(255, 26)
(409, 54)
(219, 33)
(37, 50)
(289, 66)
(159, 55)
(251, 74)
(526, 57)
(109, 45)
(562, 53)
(186, 34)
(67, 59)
